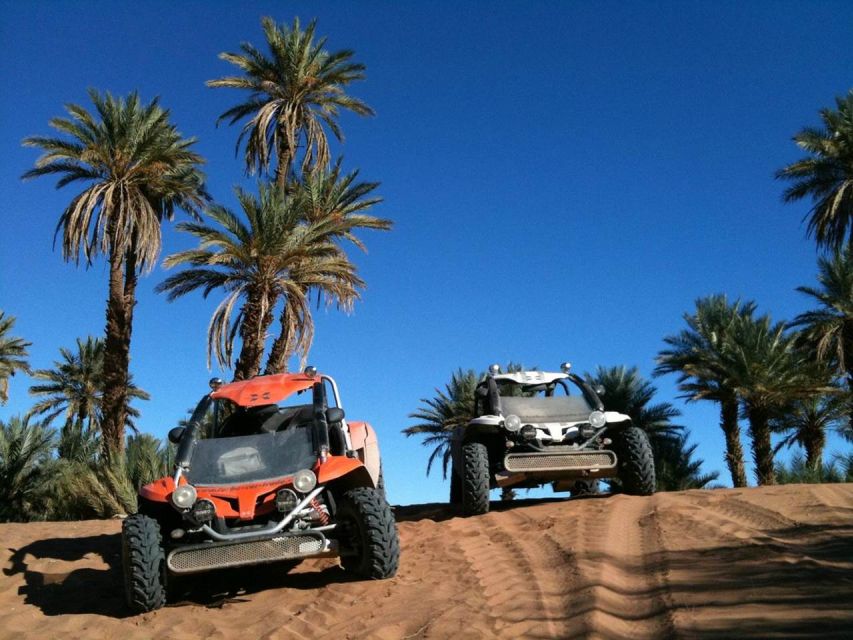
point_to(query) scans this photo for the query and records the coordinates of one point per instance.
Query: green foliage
(825, 175)
(797, 471)
(675, 468)
(25, 451)
(438, 416)
(295, 93)
(74, 388)
(274, 254)
(147, 460)
(13, 355)
(84, 491)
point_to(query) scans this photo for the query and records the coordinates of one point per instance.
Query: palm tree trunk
(762, 451)
(122, 294)
(281, 347)
(253, 333)
(813, 442)
(734, 450)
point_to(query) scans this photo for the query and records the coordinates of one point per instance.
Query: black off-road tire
(585, 488)
(366, 520)
(636, 462)
(455, 488)
(144, 563)
(475, 479)
(380, 483)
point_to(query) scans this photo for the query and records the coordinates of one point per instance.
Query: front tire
(143, 563)
(585, 488)
(636, 462)
(372, 548)
(475, 479)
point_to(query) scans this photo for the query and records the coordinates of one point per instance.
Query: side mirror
(334, 414)
(176, 434)
(600, 390)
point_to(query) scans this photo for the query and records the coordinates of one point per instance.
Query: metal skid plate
(559, 461)
(204, 557)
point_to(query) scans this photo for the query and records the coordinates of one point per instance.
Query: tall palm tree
(13, 355)
(805, 423)
(270, 257)
(295, 93)
(826, 174)
(676, 469)
(697, 355)
(767, 371)
(138, 170)
(438, 416)
(327, 196)
(75, 388)
(828, 330)
(24, 454)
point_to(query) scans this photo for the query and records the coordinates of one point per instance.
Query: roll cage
(487, 397)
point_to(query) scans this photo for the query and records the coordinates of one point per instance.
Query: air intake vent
(217, 555)
(560, 461)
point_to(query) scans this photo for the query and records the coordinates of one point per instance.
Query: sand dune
(752, 563)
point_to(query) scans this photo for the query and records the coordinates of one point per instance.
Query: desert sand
(772, 562)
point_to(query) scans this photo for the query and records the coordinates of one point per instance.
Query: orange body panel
(246, 501)
(335, 467)
(265, 389)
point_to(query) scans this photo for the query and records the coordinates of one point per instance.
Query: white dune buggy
(536, 427)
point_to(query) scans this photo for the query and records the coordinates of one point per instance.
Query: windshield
(563, 400)
(252, 458)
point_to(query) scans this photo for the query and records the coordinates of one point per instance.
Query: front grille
(560, 461)
(216, 555)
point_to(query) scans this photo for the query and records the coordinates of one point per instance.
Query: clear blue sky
(565, 180)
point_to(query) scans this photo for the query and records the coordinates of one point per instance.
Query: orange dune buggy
(259, 480)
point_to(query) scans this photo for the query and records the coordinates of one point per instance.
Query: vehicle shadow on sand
(62, 591)
(100, 591)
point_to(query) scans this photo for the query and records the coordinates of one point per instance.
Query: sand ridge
(772, 562)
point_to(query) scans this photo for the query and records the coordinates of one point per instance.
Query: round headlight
(597, 419)
(184, 496)
(512, 423)
(286, 500)
(203, 511)
(528, 432)
(304, 481)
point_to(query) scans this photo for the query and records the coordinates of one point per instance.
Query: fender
(339, 467)
(159, 490)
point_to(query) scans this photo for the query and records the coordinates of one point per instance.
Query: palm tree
(697, 355)
(139, 170)
(675, 468)
(295, 93)
(826, 174)
(24, 453)
(75, 388)
(767, 371)
(275, 256)
(805, 423)
(326, 196)
(828, 330)
(147, 459)
(438, 416)
(13, 355)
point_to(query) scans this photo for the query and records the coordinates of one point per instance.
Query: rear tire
(585, 488)
(475, 479)
(636, 462)
(371, 533)
(144, 563)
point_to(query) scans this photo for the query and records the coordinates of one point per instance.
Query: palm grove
(792, 378)
(270, 262)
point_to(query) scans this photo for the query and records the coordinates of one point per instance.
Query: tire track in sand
(522, 589)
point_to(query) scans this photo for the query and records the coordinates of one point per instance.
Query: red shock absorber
(320, 511)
